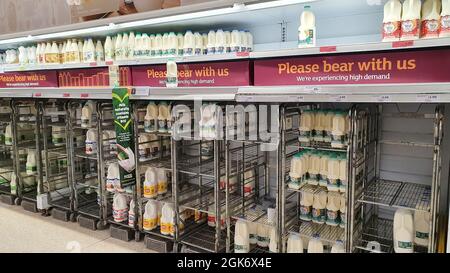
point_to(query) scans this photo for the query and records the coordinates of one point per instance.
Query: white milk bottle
(333, 173)
(150, 124)
(445, 19)
(120, 208)
(163, 110)
(80, 50)
(86, 114)
(328, 125)
(172, 74)
(162, 181)
(431, 15)
(150, 183)
(333, 206)
(109, 50)
(47, 53)
(320, 126)
(411, 20)
(273, 240)
(145, 49)
(339, 130)
(150, 221)
(241, 237)
(91, 142)
(249, 182)
(99, 52)
(23, 55)
(84, 52)
(315, 244)
(294, 244)
(198, 46)
(38, 52)
(319, 213)
(58, 135)
(113, 175)
(54, 57)
(211, 46)
(235, 44)
(31, 166)
(172, 44)
(124, 46)
(138, 45)
(154, 146)
(305, 126)
(144, 152)
(167, 219)
(165, 44)
(323, 171)
(296, 172)
(338, 247)
(8, 135)
(189, 43)
(152, 45)
(227, 41)
(131, 214)
(243, 47)
(220, 42)
(306, 203)
(75, 51)
(90, 51)
(112, 142)
(13, 184)
(422, 227)
(343, 211)
(159, 45)
(118, 48)
(403, 231)
(253, 232)
(307, 30)
(343, 173)
(314, 168)
(263, 235)
(205, 43)
(249, 45)
(392, 21)
(180, 38)
(131, 45)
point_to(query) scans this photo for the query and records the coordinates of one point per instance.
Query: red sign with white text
(28, 79)
(91, 77)
(195, 74)
(417, 66)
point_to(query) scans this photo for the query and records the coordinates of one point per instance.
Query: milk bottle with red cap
(445, 19)
(411, 20)
(392, 21)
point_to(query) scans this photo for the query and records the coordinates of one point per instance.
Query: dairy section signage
(28, 79)
(91, 77)
(370, 68)
(195, 74)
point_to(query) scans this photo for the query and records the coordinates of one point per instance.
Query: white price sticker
(427, 98)
(339, 98)
(141, 91)
(311, 89)
(296, 98)
(383, 98)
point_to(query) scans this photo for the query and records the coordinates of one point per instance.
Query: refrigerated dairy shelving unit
(7, 195)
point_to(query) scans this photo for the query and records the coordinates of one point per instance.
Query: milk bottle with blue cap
(241, 237)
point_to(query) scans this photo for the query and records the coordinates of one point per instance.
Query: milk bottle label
(410, 28)
(150, 223)
(150, 126)
(162, 123)
(162, 187)
(211, 50)
(306, 213)
(422, 235)
(131, 219)
(189, 51)
(180, 52)
(445, 24)
(220, 50)
(150, 190)
(430, 29)
(306, 37)
(404, 245)
(91, 147)
(318, 215)
(391, 30)
(343, 220)
(198, 51)
(240, 248)
(110, 182)
(263, 241)
(165, 228)
(31, 168)
(332, 218)
(172, 51)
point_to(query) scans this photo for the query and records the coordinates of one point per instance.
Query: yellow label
(150, 190)
(150, 224)
(165, 228)
(162, 187)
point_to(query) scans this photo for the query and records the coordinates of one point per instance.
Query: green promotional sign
(124, 135)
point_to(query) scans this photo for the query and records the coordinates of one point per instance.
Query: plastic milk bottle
(411, 19)
(392, 21)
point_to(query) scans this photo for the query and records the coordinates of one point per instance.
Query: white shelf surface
(58, 93)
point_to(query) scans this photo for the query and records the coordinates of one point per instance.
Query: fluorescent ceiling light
(72, 33)
(17, 40)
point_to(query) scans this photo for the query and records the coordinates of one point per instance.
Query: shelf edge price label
(84, 95)
(398, 44)
(297, 98)
(311, 89)
(327, 49)
(66, 95)
(339, 98)
(383, 98)
(140, 91)
(37, 94)
(428, 98)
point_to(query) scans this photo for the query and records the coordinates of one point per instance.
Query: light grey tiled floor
(23, 231)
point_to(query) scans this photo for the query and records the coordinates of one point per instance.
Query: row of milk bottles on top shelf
(327, 126)
(411, 228)
(416, 19)
(326, 169)
(158, 118)
(322, 207)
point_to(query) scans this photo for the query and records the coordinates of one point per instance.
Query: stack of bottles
(416, 19)
(410, 229)
(327, 127)
(323, 168)
(131, 46)
(252, 233)
(155, 182)
(158, 118)
(323, 207)
(161, 214)
(150, 147)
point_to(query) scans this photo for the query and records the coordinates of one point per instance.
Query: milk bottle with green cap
(172, 74)
(172, 42)
(162, 117)
(211, 46)
(333, 172)
(333, 206)
(422, 227)
(159, 47)
(263, 238)
(235, 41)
(153, 45)
(273, 240)
(307, 30)
(314, 168)
(343, 210)
(109, 49)
(165, 44)
(180, 38)
(220, 42)
(328, 125)
(323, 171)
(130, 46)
(296, 172)
(305, 126)
(150, 120)
(138, 45)
(306, 202)
(339, 130)
(227, 41)
(253, 232)
(189, 47)
(343, 182)
(403, 231)
(146, 46)
(31, 166)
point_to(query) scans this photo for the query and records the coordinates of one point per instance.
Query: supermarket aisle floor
(23, 231)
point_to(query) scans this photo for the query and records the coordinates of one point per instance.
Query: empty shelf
(328, 234)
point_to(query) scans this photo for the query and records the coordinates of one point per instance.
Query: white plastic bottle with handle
(307, 30)
(392, 21)
(445, 19)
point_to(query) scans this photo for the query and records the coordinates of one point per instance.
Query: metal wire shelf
(397, 194)
(203, 237)
(328, 234)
